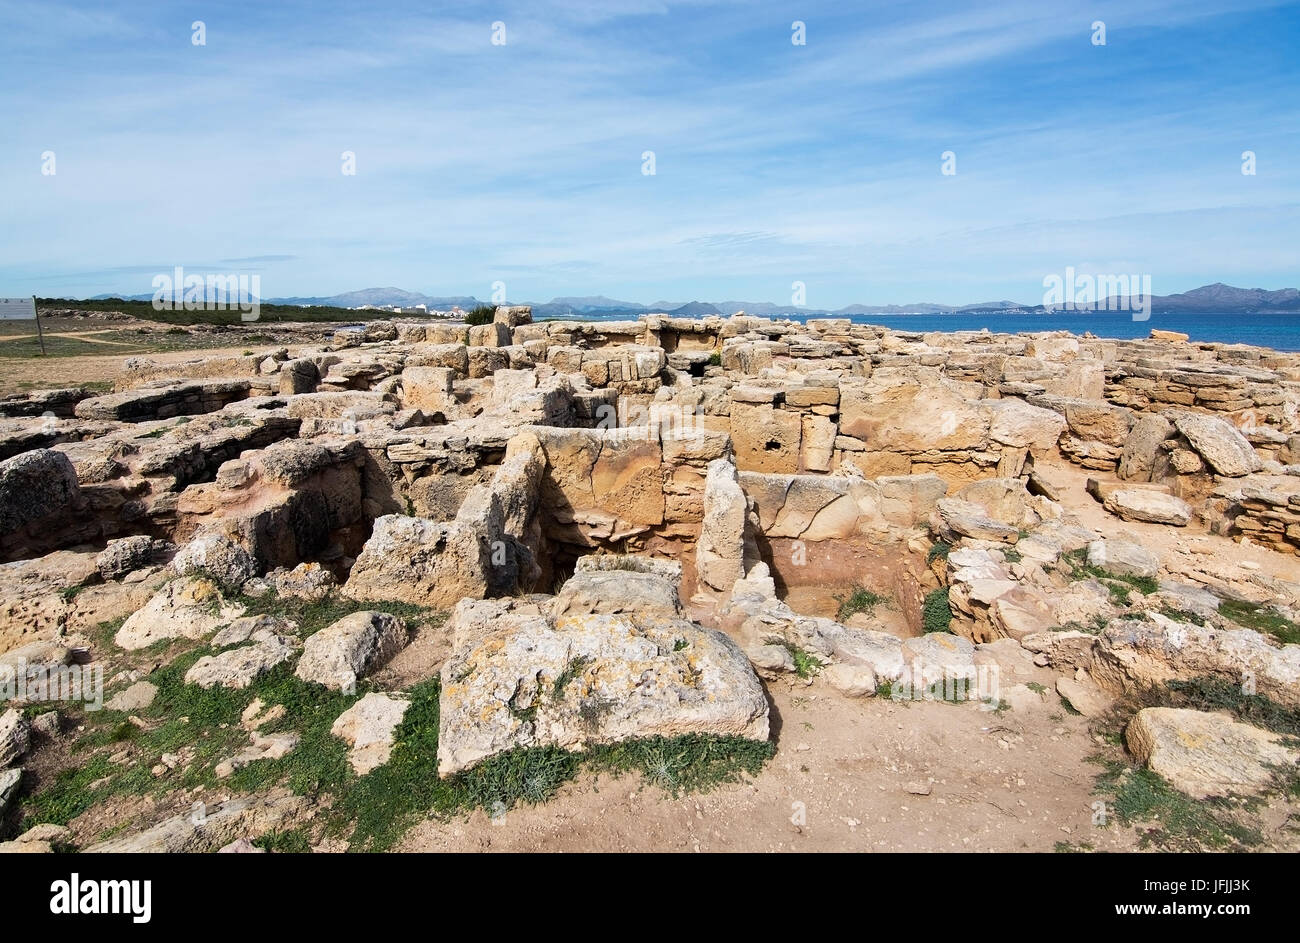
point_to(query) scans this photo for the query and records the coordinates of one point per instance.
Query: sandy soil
(21, 374)
(1016, 781)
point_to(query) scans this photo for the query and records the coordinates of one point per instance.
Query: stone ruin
(732, 466)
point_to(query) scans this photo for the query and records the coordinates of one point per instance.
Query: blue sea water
(1278, 331)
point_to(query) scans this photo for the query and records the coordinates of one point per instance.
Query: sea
(1278, 331)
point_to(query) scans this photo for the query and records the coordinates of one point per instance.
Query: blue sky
(774, 163)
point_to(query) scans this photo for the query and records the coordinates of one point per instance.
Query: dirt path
(1015, 781)
(87, 336)
(20, 374)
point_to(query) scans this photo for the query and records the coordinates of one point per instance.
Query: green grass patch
(572, 670)
(1180, 615)
(1262, 619)
(311, 617)
(939, 550)
(1213, 694)
(1068, 848)
(292, 841)
(1119, 585)
(860, 600)
(936, 613)
(1169, 820)
(806, 664)
(163, 430)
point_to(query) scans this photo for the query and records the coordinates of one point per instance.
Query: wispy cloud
(774, 162)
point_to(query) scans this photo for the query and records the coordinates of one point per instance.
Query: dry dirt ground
(86, 353)
(18, 375)
(847, 776)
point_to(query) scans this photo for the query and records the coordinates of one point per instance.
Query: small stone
(134, 698)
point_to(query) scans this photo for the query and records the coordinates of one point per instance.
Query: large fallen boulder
(1204, 754)
(240, 666)
(576, 681)
(216, 556)
(417, 560)
(127, 554)
(1222, 446)
(954, 518)
(1140, 449)
(616, 584)
(1124, 557)
(1135, 655)
(1153, 507)
(39, 498)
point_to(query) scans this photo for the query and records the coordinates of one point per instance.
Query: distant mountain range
(1217, 297)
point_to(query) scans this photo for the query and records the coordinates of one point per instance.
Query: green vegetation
(1012, 555)
(715, 359)
(1066, 848)
(372, 812)
(806, 664)
(163, 430)
(311, 617)
(1168, 819)
(1120, 585)
(1262, 619)
(293, 841)
(572, 670)
(936, 613)
(939, 550)
(1214, 694)
(1180, 615)
(860, 600)
(483, 314)
(144, 310)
